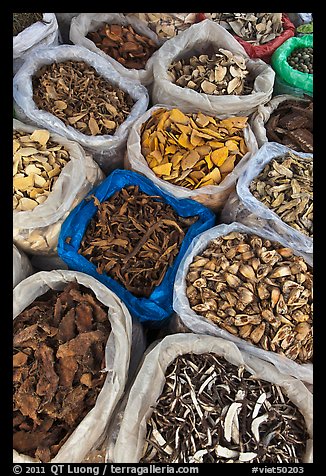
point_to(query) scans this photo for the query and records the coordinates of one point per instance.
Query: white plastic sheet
(200, 325)
(93, 427)
(196, 40)
(21, 266)
(150, 381)
(107, 150)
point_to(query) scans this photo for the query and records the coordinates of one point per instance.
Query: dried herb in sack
(75, 93)
(211, 411)
(24, 20)
(58, 359)
(134, 238)
(257, 290)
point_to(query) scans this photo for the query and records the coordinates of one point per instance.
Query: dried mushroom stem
(59, 360)
(257, 290)
(221, 73)
(211, 411)
(285, 185)
(192, 150)
(37, 164)
(124, 44)
(134, 238)
(77, 95)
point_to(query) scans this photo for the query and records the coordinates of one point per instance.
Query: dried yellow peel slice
(164, 169)
(218, 156)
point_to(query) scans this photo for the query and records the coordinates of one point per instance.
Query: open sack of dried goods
(247, 285)
(30, 32)
(72, 339)
(259, 33)
(51, 175)
(191, 155)
(207, 68)
(276, 193)
(293, 65)
(131, 236)
(125, 42)
(287, 120)
(21, 266)
(200, 399)
(78, 94)
(166, 25)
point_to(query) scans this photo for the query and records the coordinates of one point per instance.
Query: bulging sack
(247, 209)
(196, 40)
(158, 306)
(36, 231)
(289, 80)
(21, 266)
(200, 325)
(88, 22)
(107, 150)
(212, 196)
(39, 34)
(150, 381)
(92, 429)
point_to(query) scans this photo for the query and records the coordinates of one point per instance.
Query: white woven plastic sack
(264, 112)
(196, 40)
(200, 325)
(93, 427)
(37, 35)
(212, 196)
(150, 381)
(37, 231)
(107, 150)
(245, 208)
(86, 22)
(21, 266)
(64, 21)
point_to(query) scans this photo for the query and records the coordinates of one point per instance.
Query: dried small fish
(225, 430)
(265, 304)
(294, 202)
(221, 73)
(192, 150)
(76, 94)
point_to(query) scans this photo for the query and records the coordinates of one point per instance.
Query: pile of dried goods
(256, 28)
(124, 44)
(220, 73)
(75, 93)
(37, 163)
(211, 411)
(257, 290)
(192, 150)
(302, 60)
(285, 185)
(167, 26)
(134, 238)
(24, 20)
(291, 124)
(58, 359)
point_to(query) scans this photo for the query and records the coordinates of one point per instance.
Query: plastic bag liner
(158, 307)
(36, 231)
(21, 266)
(150, 381)
(107, 150)
(117, 356)
(199, 39)
(261, 116)
(212, 196)
(285, 73)
(39, 34)
(86, 22)
(200, 325)
(250, 211)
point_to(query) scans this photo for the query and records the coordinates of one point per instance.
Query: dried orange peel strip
(192, 150)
